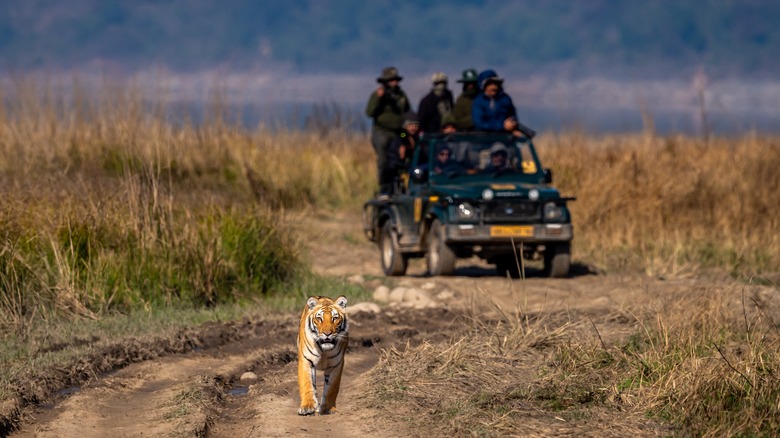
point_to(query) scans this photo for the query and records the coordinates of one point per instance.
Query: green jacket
(389, 110)
(462, 110)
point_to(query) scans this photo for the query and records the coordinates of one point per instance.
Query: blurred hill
(611, 37)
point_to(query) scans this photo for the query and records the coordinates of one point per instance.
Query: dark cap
(444, 147)
(410, 118)
(448, 119)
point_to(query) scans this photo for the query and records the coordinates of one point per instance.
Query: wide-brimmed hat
(469, 75)
(389, 74)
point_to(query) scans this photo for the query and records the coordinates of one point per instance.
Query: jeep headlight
(552, 211)
(487, 194)
(466, 211)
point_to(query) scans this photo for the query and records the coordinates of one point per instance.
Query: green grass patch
(90, 265)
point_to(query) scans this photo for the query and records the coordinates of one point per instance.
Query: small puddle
(238, 391)
(68, 391)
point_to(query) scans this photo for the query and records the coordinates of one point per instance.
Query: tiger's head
(327, 321)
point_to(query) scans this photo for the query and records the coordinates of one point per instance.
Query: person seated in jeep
(409, 138)
(444, 161)
(499, 159)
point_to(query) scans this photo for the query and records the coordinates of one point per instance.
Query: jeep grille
(518, 212)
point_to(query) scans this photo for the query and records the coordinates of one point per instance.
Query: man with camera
(387, 106)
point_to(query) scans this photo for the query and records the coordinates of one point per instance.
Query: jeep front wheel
(439, 257)
(393, 262)
(557, 259)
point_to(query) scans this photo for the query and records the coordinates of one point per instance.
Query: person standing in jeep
(493, 110)
(386, 106)
(435, 104)
(462, 109)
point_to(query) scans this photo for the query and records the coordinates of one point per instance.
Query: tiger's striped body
(322, 342)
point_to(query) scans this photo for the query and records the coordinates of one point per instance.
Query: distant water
(321, 116)
(282, 100)
(664, 121)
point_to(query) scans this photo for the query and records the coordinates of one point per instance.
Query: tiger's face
(328, 322)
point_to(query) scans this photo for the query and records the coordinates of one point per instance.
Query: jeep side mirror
(548, 176)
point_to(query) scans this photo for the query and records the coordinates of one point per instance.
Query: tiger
(322, 343)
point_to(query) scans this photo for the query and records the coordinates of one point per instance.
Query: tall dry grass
(671, 205)
(702, 361)
(109, 204)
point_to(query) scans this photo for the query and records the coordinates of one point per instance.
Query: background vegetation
(604, 36)
(107, 208)
(107, 205)
(671, 205)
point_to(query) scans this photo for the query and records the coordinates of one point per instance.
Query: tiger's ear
(312, 303)
(341, 301)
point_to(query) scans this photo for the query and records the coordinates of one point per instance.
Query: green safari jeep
(472, 194)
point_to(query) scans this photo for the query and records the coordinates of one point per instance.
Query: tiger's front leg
(331, 389)
(307, 380)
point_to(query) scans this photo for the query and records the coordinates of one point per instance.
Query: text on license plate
(506, 231)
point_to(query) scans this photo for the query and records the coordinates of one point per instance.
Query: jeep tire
(393, 262)
(439, 256)
(557, 259)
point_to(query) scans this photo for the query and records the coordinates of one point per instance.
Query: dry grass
(671, 205)
(712, 360)
(701, 363)
(107, 204)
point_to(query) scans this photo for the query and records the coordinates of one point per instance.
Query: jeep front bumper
(482, 234)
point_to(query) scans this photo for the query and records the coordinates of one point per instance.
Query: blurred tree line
(652, 38)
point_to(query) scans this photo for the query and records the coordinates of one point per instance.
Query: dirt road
(199, 393)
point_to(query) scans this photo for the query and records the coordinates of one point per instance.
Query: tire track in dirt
(270, 410)
(147, 398)
(193, 394)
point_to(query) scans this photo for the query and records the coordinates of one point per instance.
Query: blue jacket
(489, 114)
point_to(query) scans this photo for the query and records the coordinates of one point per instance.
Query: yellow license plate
(507, 231)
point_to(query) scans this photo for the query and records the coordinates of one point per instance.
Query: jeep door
(411, 203)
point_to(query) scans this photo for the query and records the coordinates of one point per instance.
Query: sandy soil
(198, 393)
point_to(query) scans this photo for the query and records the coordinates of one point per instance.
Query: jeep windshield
(480, 157)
